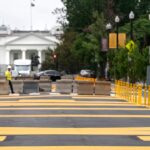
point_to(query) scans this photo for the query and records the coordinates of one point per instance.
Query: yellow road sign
(130, 46)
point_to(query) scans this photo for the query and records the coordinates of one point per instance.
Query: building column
(23, 54)
(7, 57)
(40, 56)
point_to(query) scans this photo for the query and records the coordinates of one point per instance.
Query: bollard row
(134, 93)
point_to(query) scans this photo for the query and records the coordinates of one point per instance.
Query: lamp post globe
(117, 19)
(131, 15)
(108, 26)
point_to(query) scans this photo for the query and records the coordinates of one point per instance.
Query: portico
(26, 46)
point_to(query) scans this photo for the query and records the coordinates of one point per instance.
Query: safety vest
(8, 75)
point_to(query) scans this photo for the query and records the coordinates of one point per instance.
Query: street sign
(122, 40)
(113, 40)
(130, 46)
(104, 45)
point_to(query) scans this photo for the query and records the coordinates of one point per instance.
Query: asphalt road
(70, 123)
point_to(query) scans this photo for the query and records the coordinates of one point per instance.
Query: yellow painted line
(75, 148)
(74, 108)
(64, 104)
(144, 138)
(73, 116)
(39, 96)
(47, 101)
(111, 98)
(64, 101)
(2, 138)
(134, 131)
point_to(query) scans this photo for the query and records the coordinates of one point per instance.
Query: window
(16, 56)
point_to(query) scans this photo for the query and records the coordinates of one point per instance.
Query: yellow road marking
(73, 116)
(64, 104)
(46, 101)
(2, 138)
(74, 108)
(71, 101)
(125, 131)
(92, 97)
(144, 138)
(75, 148)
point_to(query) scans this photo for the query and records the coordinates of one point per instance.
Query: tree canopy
(86, 27)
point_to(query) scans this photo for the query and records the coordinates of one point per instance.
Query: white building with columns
(23, 44)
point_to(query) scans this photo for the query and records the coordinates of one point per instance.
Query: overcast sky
(16, 13)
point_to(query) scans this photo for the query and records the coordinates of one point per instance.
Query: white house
(23, 44)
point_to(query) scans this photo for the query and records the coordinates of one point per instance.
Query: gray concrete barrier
(85, 87)
(75, 84)
(30, 86)
(24, 78)
(102, 88)
(4, 87)
(64, 86)
(2, 77)
(18, 86)
(45, 85)
(44, 78)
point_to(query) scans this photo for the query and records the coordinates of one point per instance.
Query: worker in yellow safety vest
(8, 76)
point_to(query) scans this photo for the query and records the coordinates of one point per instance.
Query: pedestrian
(8, 76)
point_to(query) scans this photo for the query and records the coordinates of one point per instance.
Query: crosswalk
(73, 122)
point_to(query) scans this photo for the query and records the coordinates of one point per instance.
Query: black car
(53, 74)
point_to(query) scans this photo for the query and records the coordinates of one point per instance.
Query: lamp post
(131, 17)
(117, 20)
(56, 61)
(108, 29)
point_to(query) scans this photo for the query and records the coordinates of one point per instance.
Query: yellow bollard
(131, 92)
(145, 95)
(148, 95)
(134, 93)
(139, 94)
(126, 91)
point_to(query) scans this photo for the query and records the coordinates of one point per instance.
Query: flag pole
(31, 26)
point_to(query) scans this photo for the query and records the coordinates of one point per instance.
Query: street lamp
(117, 20)
(131, 17)
(108, 29)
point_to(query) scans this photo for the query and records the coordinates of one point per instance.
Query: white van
(22, 66)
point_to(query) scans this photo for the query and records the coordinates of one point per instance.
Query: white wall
(2, 55)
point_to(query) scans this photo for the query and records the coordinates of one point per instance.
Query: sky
(17, 14)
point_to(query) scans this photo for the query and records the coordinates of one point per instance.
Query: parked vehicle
(87, 73)
(22, 67)
(53, 74)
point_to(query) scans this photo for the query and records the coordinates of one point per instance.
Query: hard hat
(9, 67)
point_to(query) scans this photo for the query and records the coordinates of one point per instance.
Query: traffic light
(35, 60)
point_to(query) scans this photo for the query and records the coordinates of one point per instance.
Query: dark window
(16, 56)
